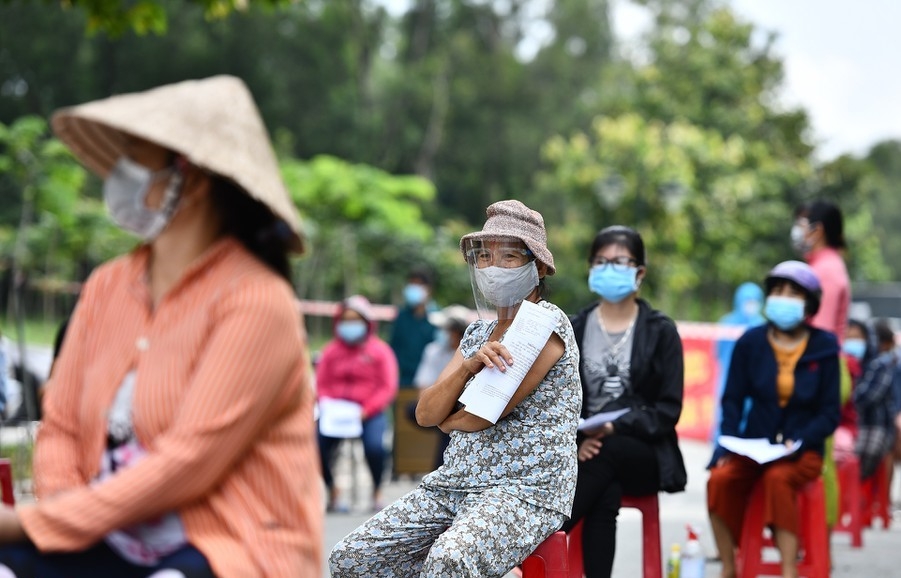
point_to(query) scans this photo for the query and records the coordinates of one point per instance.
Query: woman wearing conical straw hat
(178, 430)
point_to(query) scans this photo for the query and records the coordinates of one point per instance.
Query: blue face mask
(786, 313)
(351, 331)
(856, 348)
(612, 285)
(414, 294)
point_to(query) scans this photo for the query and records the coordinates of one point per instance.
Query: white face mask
(504, 287)
(125, 192)
(798, 238)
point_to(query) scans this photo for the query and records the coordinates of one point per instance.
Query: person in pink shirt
(358, 367)
(818, 235)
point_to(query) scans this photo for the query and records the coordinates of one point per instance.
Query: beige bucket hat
(214, 122)
(513, 219)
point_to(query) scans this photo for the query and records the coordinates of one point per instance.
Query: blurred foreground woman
(178, 436)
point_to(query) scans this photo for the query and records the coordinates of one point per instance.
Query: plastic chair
(876, 498)
(851, 516)
(652, 555)
(6, 482)
(549, 560)
(813, 538)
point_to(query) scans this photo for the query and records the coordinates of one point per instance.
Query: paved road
(880, 556)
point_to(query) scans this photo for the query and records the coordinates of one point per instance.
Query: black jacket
(655, 396)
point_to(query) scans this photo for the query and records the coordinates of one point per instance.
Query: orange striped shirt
(223, 404)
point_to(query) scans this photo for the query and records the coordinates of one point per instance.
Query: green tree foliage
(115, 17)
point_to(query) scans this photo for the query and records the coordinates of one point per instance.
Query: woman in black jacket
(631, 359)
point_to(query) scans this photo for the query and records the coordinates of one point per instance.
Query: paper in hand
(491, 389)
(599, 419)
(758, 449)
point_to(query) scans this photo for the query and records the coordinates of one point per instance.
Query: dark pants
(373, 449)
(25, 561)
(624, 465)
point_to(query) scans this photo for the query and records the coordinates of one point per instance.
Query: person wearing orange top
(178, 429)
(788, 371)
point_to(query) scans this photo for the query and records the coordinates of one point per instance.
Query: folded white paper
(339, 418)
(491, 389)
(758, 449)
(599, 419)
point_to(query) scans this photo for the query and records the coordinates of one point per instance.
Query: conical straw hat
(213, 122)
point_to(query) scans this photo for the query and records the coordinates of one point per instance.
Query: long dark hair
(252, 223)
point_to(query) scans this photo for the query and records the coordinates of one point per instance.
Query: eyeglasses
(507, 258)
(620, 264)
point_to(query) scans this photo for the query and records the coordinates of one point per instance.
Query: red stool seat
(875, 496)
(6, 483)
(652, 557)
(813, 539)
(850, 518)
(549, 560)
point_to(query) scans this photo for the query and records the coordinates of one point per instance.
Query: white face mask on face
(125, 192)
(504, 287)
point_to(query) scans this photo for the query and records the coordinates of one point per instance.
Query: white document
(758, 449)
(491, 389)
(599, 419)
(339, 418)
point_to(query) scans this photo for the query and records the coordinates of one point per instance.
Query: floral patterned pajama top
(530, 453)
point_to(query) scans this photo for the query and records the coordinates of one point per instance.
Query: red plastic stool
(875, 496)
(6, 483)
(851, 516)
(549, 560)
(652, 555)
(813, 539)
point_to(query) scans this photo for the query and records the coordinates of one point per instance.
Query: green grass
(37, 331)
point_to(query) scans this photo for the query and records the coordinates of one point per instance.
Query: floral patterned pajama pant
(432, 533)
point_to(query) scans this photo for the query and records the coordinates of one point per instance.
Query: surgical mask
(504, 287)
(415, 294)
(441, 338)
(786, 313)
(612, 285)
(798, 234)
(351, 332)
(125, 192)
(856, 348)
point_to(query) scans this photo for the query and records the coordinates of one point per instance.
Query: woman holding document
(509, 472)
(631, 373)
(782, 389)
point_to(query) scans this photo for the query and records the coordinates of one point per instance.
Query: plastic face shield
(502, 272)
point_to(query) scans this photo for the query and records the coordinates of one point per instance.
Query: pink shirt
(366, 374)
(830, 268)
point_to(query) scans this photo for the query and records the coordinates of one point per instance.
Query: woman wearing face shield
(177, 434)
(504, 487)
(631, 358)
(789, 370)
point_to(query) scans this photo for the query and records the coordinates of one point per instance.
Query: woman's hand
(589, 448)
(492, 354)
(10, 527)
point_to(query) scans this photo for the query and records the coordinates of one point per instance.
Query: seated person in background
(451, 323)
(873, 398)
(854, 357)
(631, 357)
(359, 367)
(790, 371)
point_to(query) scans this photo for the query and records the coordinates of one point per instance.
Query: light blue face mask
(612, 285)
(351, 332)
(856, 348)
(786, 313)
(415, 294)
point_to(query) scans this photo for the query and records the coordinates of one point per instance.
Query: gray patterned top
(531, 453)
